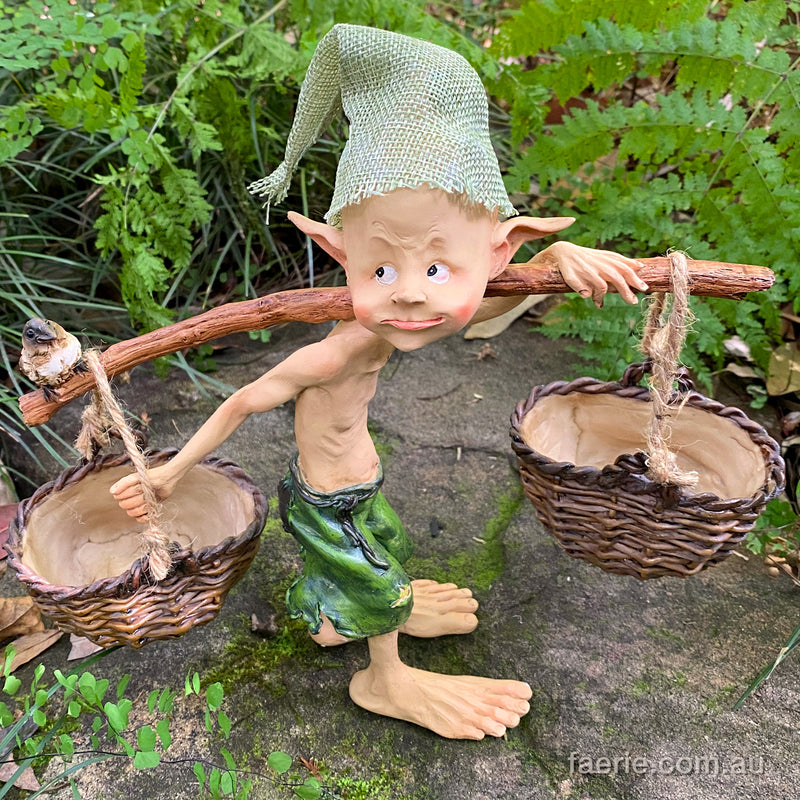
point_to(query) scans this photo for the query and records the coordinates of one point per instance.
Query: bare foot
(440, 609)
(328, 636)
(454, 706)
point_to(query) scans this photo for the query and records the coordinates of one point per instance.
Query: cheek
(363, 309)
(465, 312)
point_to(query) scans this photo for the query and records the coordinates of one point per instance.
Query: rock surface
(633, 683)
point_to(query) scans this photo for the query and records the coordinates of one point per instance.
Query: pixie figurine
(416, 224)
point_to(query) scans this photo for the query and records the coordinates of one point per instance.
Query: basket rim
(137, 576)
(627, 473)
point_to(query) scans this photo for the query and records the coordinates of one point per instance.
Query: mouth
(413, 325)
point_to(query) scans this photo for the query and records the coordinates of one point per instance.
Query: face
(417, 265)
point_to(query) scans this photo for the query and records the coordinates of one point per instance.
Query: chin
(413, 340)
(406, 346)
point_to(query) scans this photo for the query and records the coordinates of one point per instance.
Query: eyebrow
(434, 239)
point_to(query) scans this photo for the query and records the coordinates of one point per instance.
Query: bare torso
(335, 447)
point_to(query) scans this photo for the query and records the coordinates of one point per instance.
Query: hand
(589, 272)
(128, 492)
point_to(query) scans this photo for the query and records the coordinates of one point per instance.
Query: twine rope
(662, 342)
(95, 424)
(103, 412)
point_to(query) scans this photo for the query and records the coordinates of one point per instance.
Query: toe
(492, 727)
(520, 707)
(469, 622)
(506, 718)
(517, 689)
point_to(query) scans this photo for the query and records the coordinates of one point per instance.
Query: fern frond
(541, 25)
(130, 85)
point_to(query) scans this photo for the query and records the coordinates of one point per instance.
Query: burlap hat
(418, 115)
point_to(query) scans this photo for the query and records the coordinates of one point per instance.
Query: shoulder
(353, 341)
(347, 348)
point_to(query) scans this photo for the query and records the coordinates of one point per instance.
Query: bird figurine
(50, 355)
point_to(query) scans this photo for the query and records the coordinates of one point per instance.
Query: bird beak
(38, 331)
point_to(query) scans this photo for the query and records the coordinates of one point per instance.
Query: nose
(409, 290)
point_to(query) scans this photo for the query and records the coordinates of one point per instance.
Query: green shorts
(352, 544)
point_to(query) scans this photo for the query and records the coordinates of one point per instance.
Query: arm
(302, 369)
(589, 271)
(584, 269)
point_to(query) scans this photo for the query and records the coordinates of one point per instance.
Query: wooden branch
(706, 278)
(710, 278)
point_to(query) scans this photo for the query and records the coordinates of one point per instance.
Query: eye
(386, 275)
(438, 273)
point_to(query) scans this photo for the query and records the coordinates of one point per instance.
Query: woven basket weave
(605, 510)
(216, 505)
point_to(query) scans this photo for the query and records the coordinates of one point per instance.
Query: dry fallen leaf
(19, 616)
(81, 647)
(784, 370)
(26, 780)
(742, 371)
(28, 647)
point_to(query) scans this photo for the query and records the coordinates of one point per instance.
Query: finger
(136, 511)
(124, 485)
(582, 279)
(127, 492)
(608, 262)
(629, 272)
(133, 503)
(622, 287)
(613, 256)
(594, 282)
(637, 280)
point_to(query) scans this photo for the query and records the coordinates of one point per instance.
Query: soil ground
(633, 682)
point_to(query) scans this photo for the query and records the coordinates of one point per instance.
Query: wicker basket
(76, 550)
(579, 447)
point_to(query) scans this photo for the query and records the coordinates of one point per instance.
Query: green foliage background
(129, 131)
(680, 134)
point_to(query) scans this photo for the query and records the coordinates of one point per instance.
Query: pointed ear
(510, 235)
(330, 239)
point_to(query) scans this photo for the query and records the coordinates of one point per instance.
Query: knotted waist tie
(344, 502)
